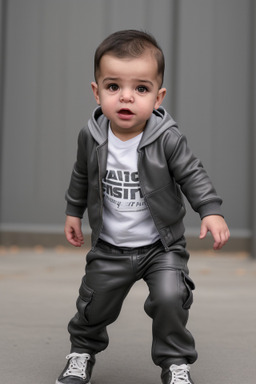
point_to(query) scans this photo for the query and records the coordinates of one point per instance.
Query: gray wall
(48, 66)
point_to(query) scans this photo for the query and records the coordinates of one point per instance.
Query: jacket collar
(159, 121)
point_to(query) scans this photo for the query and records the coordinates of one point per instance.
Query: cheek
(107, 106)
(146, 108)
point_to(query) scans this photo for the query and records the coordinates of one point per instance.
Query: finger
(203, 232)
(80, 237)
(221, 240)
(75, 242)
(72, 237)
(224, 237)
(217, 241)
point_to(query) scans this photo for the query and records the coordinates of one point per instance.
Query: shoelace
(77, 364)
(180, 374)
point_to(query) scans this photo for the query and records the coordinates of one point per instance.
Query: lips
(125, 112)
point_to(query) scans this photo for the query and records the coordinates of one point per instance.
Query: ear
(160, 96)
(95, 92)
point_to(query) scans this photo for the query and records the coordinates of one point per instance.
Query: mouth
(125, 112)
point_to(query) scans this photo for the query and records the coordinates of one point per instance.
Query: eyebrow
(107, 79)
(110, 79)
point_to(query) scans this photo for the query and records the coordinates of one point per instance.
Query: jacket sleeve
(76, 195)
(195, 183)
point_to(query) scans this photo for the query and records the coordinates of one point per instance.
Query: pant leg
(168, 303)
(105, 285)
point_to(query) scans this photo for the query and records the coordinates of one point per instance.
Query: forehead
(142, 67)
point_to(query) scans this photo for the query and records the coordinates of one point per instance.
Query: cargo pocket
(190, 286)
(83, 301)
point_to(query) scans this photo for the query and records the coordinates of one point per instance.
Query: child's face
(128, 90)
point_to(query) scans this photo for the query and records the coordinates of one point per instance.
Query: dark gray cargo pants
(110, 273)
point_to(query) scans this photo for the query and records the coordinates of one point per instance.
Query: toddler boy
(132, 164)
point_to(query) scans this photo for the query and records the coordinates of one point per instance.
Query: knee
(170, 299)
(177, 294)
(163, 302)
(171, 294)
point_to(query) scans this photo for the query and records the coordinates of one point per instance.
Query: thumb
(203, 231)
(79, 233)
(77, 230)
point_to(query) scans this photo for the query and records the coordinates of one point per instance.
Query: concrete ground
(38, 292)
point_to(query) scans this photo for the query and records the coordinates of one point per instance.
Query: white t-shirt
(126, 219)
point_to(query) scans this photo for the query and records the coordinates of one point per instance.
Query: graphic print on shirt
(122, 191)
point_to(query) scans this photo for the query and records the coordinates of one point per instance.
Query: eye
(113, 87)
(142, 89)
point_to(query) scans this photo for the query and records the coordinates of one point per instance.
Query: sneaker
(78, 369)
(177, 374)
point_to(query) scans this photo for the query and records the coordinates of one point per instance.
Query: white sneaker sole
(58, 382)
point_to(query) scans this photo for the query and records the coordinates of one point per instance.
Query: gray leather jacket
(166, 166)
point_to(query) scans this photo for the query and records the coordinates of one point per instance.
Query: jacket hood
(159, 121)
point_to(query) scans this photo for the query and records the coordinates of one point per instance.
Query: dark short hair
(129, 43)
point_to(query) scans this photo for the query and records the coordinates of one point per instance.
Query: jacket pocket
(166, 205)
(190, 286)
(83, 301)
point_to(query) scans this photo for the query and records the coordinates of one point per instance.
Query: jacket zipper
(101, 199)
(144, 195)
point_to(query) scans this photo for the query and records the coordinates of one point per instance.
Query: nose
(126, 96)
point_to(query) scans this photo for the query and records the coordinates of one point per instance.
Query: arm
(193, 179)
(218, 228)
(76, 195)
(197, 187)
(73, 231)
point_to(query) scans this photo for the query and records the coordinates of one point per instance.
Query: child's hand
(73, 231)
(218, 228)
